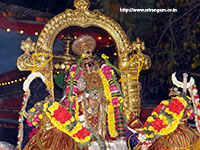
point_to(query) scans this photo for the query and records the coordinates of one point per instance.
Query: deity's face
(89, 67)
(86, 49)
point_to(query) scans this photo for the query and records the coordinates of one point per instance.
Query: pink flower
(115, 101)
(29, 123)
(33, 132)
(66, 103)
(37, 119)
(113, 88)
(73, 69)
(75, 90)
(74, 104)
(106, 71)
(191, 116)
(67, 89)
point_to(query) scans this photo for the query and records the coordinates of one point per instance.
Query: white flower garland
(30, 78)
(26, 85)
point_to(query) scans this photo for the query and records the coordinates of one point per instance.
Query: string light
(99, 38)
(36, 33)
(58, 72)
(110, 38)
(115, 54)
(75, 37)
(12, 81)
(21, 31)
(8, 29)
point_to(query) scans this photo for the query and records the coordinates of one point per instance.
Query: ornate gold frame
(83, 17)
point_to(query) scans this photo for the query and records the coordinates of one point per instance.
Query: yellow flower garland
(111, 116)
(61, 126)
(171, 126)
(77, 109)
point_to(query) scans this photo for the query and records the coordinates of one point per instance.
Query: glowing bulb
(36, 33)
(99, 38)
(58, 72)
(3, 84)
(8, 29)
(24, 78)
(110, 38)
(15, 80)
(20, 79)
(75, 37)
(21, 31)
(115, 54)
(12, 81)
(0, 84)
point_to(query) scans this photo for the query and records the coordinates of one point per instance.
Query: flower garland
(165, 118)
(21, 119)
(71, 91)
(196, 104)
(33, 117)
(61, 119)
(111, 91)
(64, 121)
(111, 117)
(112, 94)
(22, 113)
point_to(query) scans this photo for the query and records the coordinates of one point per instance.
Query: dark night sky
(51, 6)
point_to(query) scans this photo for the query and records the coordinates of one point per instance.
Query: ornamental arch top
(83, 17)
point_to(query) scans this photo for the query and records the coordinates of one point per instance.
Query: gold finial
(28, 45)
(81, 4)
(67, 40)
(138, 45)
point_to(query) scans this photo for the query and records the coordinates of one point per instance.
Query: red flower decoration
(81, 134)
(62, 115)
(196, 96)
(33, 132)
(158, 124)
(175, 106)
(158, 108)
(198, 106)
